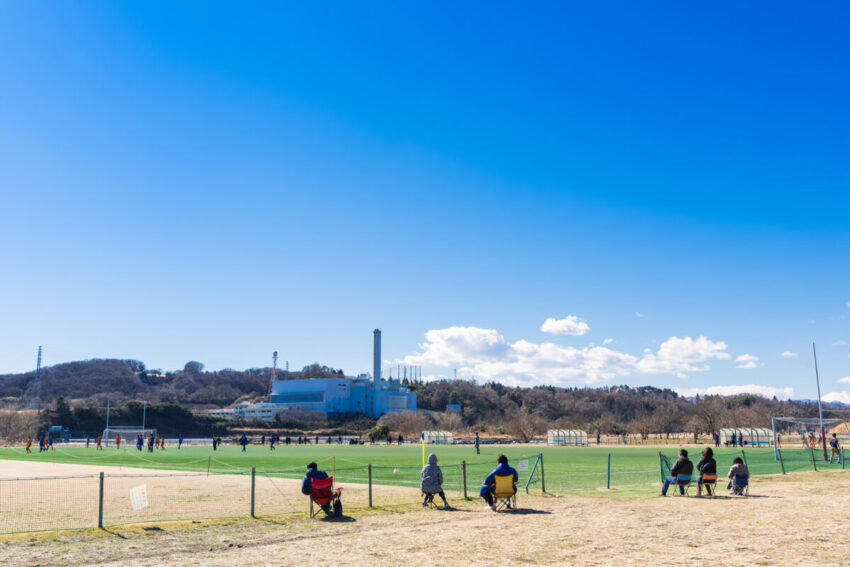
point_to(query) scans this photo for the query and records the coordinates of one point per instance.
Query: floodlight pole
(144, 412)
(820, 406)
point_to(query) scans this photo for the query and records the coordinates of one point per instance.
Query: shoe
(446, 506)
(488, 507)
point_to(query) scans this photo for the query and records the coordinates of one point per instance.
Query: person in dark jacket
(706, 465)
(243, 441)
(489, 485)
(683, 466)
(432, 482)
(313, 472)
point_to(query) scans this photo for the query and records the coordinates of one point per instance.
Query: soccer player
(243, 441)
(29, 444)
(477, 444)
(99, 446)
(489, 485)
(140, 441)
(834, 449)
(179, 442)
(271, 443)
(50, 442)
(118, 441)
(151, 441)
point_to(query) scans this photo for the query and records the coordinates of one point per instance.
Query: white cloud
(459, 345)
(789, 354)
(639, 314)
(768, 391)
(841, 397)
(569, 325)
(485, 354)
(848, 304)
(839, 342)
(747, 361)
(845, 380)
(679, 355)
(607, 341)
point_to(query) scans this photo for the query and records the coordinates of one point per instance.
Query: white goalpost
(128, 434)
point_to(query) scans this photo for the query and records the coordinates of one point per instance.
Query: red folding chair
(323, 493)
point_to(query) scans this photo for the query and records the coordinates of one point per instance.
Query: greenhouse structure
(567, 437)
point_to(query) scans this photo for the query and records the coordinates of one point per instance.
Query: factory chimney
(376, 361)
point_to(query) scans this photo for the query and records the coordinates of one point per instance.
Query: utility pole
(820, 407)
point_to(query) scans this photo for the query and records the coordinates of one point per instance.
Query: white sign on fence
(139, 497)
(522, 466)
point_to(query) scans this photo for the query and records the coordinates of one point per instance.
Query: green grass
(566, 468)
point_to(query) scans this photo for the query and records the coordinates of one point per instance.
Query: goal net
(128, 434)
(799, 437)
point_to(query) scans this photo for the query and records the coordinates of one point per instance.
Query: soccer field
(566, 468)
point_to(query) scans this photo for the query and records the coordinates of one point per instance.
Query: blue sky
(202, 182)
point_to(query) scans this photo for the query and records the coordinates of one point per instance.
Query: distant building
(453, 407)
(333, 396)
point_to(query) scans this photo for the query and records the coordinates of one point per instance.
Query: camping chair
(504, 493)
(683, 481)
(741, 485)
(323, 493)
(429, 499)
(709, 482)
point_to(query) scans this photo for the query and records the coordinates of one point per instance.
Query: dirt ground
(797, 519)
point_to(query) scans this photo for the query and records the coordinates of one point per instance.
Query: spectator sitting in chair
(306, 486)
(706, 465)
(489, 487)
(432, 482)
(683, 466)
(738, 467)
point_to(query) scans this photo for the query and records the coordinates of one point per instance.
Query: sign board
(139, 497)
(522, 466)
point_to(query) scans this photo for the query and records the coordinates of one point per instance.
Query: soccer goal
(566, 437)
(797, 437)
(438, 437)
(128, 434)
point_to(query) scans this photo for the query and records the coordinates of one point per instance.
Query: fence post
(463, 469)
(542, 475)
(608, 486)
(781, 462)
(100, 503)
(253, 481)
(744, 455)
(370, 486)
(661, 465)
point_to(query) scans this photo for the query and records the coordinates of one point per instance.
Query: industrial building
(363, 394)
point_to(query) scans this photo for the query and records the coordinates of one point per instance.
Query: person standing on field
(118, 441)
(834, 449)
(179, 442)
(99, 446)
(477, 444)
(243, 441)
(29, 444)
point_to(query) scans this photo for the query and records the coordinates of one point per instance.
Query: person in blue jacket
(314, 472)
(243, 441)
(489, 486)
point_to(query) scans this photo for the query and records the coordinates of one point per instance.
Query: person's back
(313, 472)
(489, 485)
(683, 466)
(707, 465)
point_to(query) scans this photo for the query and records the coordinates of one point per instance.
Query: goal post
(797, 437)
(128, 434)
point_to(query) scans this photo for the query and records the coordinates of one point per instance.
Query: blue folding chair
(683, 482)
(741, 485)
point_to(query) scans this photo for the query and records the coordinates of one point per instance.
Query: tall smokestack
(376, 353)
